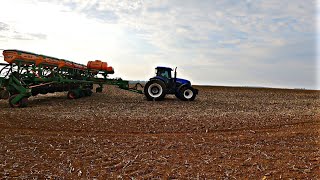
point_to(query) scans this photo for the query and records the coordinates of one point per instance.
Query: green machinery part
(122, 84)
(20, 80)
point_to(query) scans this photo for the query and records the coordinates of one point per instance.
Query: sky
(268, 43)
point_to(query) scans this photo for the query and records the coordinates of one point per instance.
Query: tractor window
(164, 73)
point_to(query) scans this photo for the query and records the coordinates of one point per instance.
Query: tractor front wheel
(187, 94)
(155, 90)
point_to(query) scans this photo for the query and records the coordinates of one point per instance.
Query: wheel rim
(155, 90)
(188, 94)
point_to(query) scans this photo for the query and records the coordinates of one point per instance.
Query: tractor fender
(181, 86)
(159, 79)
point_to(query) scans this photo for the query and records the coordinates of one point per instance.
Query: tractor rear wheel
(20, 104)
(187, 94)
(155, 90)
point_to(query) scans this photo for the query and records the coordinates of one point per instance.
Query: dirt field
(227, 133)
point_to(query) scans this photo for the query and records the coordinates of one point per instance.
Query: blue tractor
(163, 83)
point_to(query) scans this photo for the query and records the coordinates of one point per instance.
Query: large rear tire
(155, 90)
(187, 94)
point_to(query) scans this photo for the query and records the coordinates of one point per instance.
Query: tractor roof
(162, 67)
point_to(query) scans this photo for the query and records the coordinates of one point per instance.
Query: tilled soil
(229, 133)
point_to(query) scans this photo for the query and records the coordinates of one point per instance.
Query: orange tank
(11, 56)
(98, 65)
(61, 63)
(68, 64)
(110, 69)
(50, 60)
(79, 66)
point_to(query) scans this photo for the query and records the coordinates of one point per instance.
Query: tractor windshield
(166, 73)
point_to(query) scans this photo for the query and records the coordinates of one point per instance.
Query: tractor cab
(164, 72)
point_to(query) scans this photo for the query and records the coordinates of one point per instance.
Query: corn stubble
(231, 133)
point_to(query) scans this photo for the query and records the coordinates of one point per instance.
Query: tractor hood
(183, 81)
